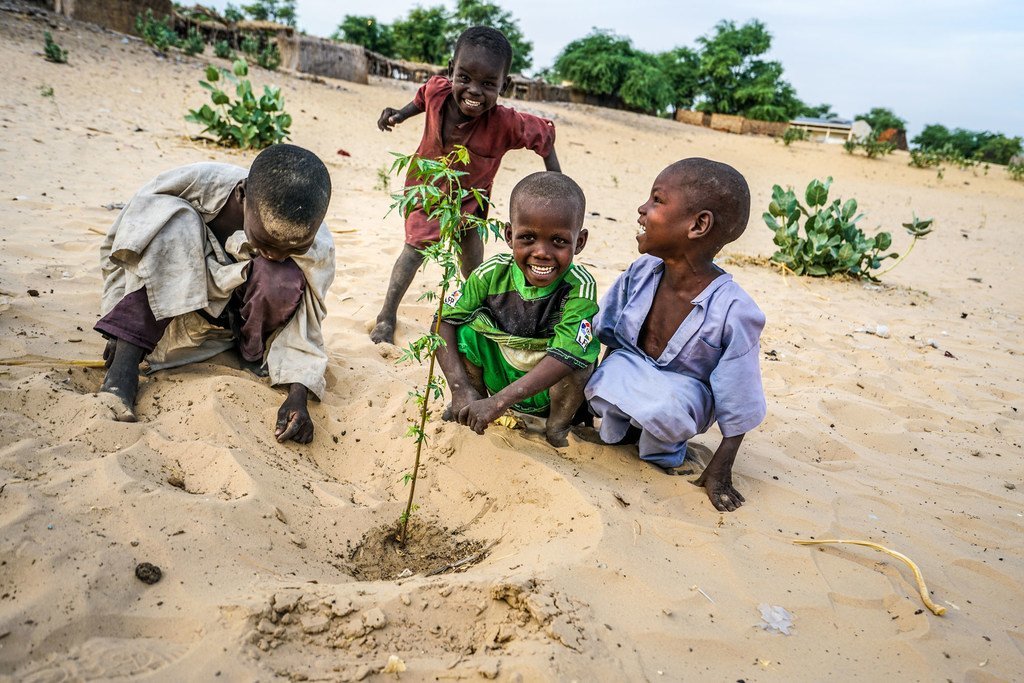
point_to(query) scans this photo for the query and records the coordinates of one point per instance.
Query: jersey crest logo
(585, 335)
(453, 298)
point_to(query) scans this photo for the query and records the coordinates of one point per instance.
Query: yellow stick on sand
(921, 587)
(52, 361)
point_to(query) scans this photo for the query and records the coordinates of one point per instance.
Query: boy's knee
(275, 285)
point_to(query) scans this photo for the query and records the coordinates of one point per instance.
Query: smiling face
(669, 220)
(544, 237)
(478, 76)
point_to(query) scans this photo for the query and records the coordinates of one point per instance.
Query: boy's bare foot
(588, 434)
(255, 367)
(383, 331)
(557, 436)
(448, 415)
(122, 380)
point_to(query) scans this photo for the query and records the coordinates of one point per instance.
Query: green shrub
(1016, 170)
(52, 51)
(247, 122)
(193, 43)
(940, 157)
(157, 33)
(872, 146)
(222, 49)
(831, 242)
(250, 44)
(269, 57)
(793, 134)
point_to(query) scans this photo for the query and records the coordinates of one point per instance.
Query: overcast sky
(957, 63)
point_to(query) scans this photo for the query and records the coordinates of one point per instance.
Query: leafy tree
(984, 146)
(646, 87)
(281, 11)
(233, 14)
(681, 68)
(368, 32)
(423, 35)
(734, 80)
(820, 111)
(597, 63)
(479, 13)
(880, 119)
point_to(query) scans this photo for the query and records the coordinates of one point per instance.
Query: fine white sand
(603, 568)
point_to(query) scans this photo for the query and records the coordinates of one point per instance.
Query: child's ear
(508, 233)
(581, 241)
(505, 86)
(702, 225)
(449, 69)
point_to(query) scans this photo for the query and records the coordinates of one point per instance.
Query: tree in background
(368, 32)
(280, 11)
(680, 67)
(880, 119)
(732, 79)
(603, 63)
(476, 13)
(423, 35)
(981, 146)
(820, 111)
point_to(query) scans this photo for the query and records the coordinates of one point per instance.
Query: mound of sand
(597, 566)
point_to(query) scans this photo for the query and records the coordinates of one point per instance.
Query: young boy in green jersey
(519, 332)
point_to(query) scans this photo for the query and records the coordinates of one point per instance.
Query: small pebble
(148, 573)
(1010, 485)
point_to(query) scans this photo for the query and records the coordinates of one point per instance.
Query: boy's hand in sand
(293, 421)
(716, 478)
(389, 118)
(479, 414)
(460, 399)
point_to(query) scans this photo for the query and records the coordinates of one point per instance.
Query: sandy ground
(601, 568)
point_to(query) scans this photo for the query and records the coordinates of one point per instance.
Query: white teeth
(539, 270)
(640, 229)
(472, 103)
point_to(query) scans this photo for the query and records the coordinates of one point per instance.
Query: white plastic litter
(775, 618)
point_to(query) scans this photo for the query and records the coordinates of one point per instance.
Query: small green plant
(1016, 170)
(440, 195)
(269, 57)
(250, 44)
(872, 146)
(939, 157)
(193, 43)
(793, 134)
(383, 180)
(46, 90)
(222, 49)
(831, 242)
(157, 33)
(52, 51)
(247, 122)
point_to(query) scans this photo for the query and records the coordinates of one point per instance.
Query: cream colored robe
(161, 241)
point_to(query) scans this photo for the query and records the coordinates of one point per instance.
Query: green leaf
(240, 68)
(212, 74)
(817, 192)
(883, 241)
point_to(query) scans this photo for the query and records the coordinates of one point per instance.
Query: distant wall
(321, 57)
(739, 125)
(118, 15)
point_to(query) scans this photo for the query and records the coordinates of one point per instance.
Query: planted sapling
(248, 122)
(440, 195)
(157, 33)
(52, 51)
(193, 43)
(831, 242)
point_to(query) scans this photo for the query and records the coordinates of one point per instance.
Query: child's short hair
(721, 189)
(550, 187)
(488, 38)
(290, 188)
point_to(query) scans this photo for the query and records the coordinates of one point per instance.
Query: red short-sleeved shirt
(487, 137)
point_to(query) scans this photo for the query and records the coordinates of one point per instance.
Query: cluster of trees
(428, 34)
(280, 11)
(726, 73)
(986, 147)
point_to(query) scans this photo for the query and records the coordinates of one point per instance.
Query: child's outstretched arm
(463, 391)
(551, 162)
(482, 412)
(392, 117)
(717, 476)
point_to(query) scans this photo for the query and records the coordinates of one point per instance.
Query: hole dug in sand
(430, 549)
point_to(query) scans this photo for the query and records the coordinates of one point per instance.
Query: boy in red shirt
(462, 109)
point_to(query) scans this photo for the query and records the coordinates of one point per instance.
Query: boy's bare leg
(402, 275)
(472, 252)
(122, 378)
(566, 398)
